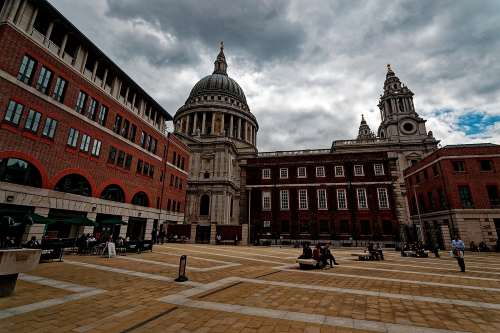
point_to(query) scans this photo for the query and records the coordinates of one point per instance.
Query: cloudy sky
(309, 69)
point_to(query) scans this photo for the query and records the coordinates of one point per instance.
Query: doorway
(203, 234)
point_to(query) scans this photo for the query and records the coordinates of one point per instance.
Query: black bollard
(182, 270)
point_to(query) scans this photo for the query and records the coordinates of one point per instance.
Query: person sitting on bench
(317, 255)
(327, 254)
(306, 252)
(372, 251)
(378, 248)
(406, 247)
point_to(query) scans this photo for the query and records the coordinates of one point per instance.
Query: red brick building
(77, 135)
(455, 191)
(315, 195)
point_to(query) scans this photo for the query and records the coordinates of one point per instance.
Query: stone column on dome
(188, 119)
(204, 119)
(231, 127)
(386, 107)
(239, 128)
(407, 105)
(195, 120)
(412, 105)
(222, 124)
(394, 105)
(213, 123)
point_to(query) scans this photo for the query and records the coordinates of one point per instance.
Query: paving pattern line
(128, 272)
(181, 299)
(149, 320)
(251, 254)
(79, 293)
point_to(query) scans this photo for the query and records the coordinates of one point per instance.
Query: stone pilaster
(213, 232)
(244, 234)
(192, 237)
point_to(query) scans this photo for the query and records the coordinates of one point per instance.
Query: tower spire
(220, 65)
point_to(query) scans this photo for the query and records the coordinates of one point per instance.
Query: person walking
(458, 245)
(236, 240)
(163, 235)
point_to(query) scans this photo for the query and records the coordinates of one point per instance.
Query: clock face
(408, 126)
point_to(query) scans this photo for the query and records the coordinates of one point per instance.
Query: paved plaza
(255, 289)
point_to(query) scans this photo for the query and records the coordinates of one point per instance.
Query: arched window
(140, 199)
(113, 193)
(204, 204)
(13, 170)
(74, 184)
(382, 134)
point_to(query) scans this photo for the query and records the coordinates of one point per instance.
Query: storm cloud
(310, 69)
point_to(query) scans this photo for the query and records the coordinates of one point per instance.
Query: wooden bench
(414, 253)
(362, 256)
(230, 242)
(307, 263)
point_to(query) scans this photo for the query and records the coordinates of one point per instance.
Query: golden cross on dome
(221, 46)
(389, 67)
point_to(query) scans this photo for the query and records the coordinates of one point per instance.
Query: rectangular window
(383, 200)
(426, 175)
(33, 120)
(103, 115)
(152, 173)
(304, 227)
(339, 171)
(465, 195)
(365, 228)
(266, 200)
(133, 130)
(344, 227)
(266, 173)
(358, 170)
(92, 109)
(118, 124)
(27, 68)
(148, 145)
(435, 171)
(178, 160)
(493, 194)
(126, 125)
(302, 199)
(410, 182)
(44, 80)
(180, 184)
(458, 166)
(14, 111)
(128, 162)
(169, 203)
(320, 171)
(80, 102)
(283, 173)
(362, 203)
(73, 137)
(49, 129)
(431, 200)
(121, 158)
(324, 227)
(285, 226)
(423, 209)
(441, 198)
(172, 180)
(60, 89)
(301, 172)
(176, 182)
(96, 147)
(155, 144)
(143, 141)
(417, 178)
(486, 165)
(145, 170)
(112, 155)
(178, 206)
(182, 164)
(173, 158)
(284, 199)
(161, 175)
(84, 146)
(387, 228)
(379, 169)
(173, 205)
(341, 199)
(322, 199)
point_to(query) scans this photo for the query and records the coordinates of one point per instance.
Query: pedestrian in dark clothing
(306, 252)
(328, 255)
(163, 235)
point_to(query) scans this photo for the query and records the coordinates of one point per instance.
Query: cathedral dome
(218, 83)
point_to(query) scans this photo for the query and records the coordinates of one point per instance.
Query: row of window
(174, 206)
(85, 143)
(15, 111)
(177, 183)
(145, 169)
(383, 199)
(92, 110)
(324, 227)
(320, 171)
(178, 160)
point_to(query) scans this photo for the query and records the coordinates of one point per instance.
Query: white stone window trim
(362, 196)
(341, 168)
(381, 171)
(266, 173)
(320, 206)
(266, 195)
(303, 204)
(283, 173)
(299, 169)
(321, 173)
(356, 168)
(344, 199)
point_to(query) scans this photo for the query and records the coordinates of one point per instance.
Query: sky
(309, 69)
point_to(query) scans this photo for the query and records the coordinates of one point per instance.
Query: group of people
(87, 242)
(218, 239)
(481, 248)
(157, 236)
(419, 248)
(321, 255)
(375, 250)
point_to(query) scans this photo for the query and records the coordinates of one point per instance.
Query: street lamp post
(249, 206)
(418, 212)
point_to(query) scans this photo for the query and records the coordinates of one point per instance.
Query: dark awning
(114, 221)
(81, 221)
(38, 219)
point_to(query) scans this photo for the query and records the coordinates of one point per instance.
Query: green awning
(81, 221)
(38, 219)
(114, 221)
